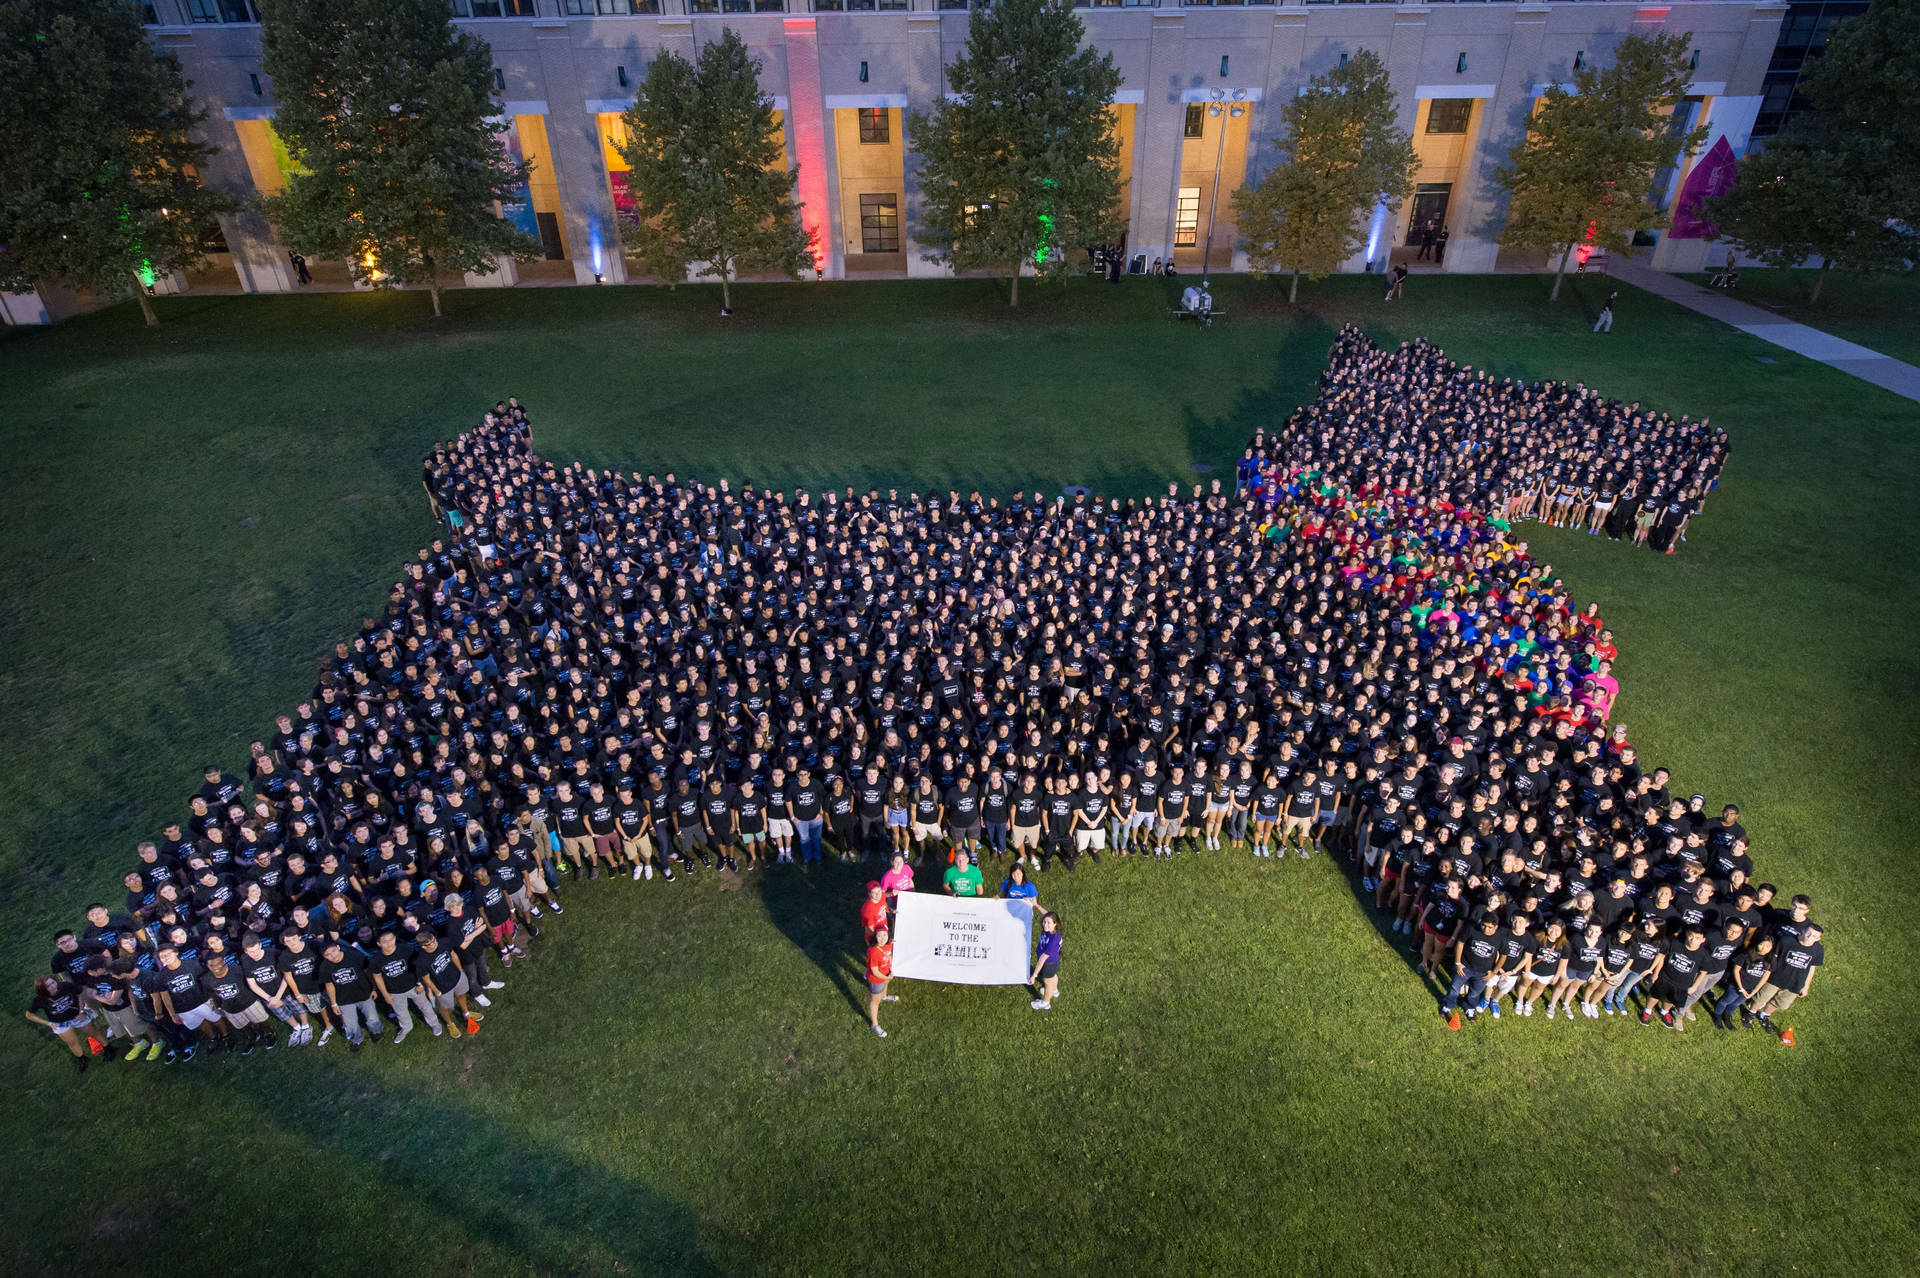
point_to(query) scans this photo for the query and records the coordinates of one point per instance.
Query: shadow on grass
(817, 908)
(427, 1154)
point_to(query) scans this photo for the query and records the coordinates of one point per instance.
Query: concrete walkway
(1868, 365)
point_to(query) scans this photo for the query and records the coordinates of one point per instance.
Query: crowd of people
(1410, 420)
(597, 674)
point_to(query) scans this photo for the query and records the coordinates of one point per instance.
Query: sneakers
(878, 1032)
(648, 871)
(353, 1046)
(475, 1017)
(493, 985)
(1039, 1005)
(1472, 1014)
(153, 1054)
(555, 907)
(436, 1031)
(453, 1031)
(133, 1053)
(666, 872)
(1666, 1017)
(636, 874)
(889, 998)
(1494, 1008)
(326, 1033)
(481, 999)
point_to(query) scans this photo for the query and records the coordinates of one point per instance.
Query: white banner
(964, 940)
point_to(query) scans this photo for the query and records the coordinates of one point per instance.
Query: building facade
(1196, 115)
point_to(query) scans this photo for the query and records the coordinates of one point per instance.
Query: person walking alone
(1605, 323)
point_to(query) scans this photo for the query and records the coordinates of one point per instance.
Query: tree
(1584, 173)
(1842, 181)
(99, 172)
(707, 187)
(1020, 162)
(387, 114)
(1345, 156)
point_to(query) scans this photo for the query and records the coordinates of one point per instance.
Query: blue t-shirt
(1018, 891)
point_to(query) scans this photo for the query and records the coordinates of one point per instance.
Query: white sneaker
(879, 1032)
(325, 1034)
(494, 985)
(400, 1037)
(649, 874)
(1039, 1005)
(636, 874)
(889, 998)
(481, 999)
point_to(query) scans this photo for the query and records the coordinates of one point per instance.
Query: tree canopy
(709, 191)
(387, 113)
(1345, 154)
(1842, 181)
(1019, 162)
(1585, 171)
(99, 171)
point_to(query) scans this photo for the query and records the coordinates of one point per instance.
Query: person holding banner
(962, 879)
(1016, 887)
(1046, 964)
(879, 972)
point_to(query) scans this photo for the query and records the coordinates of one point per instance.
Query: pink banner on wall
(1712, 176)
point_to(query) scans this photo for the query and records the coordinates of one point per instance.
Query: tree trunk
(726, 293)
(1819, 282)
(1293, 289)
(433, 290)
(146, 303)
(1560, 273)
(1013, 298)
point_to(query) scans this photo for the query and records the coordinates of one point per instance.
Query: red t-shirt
(873, 914)
(879, 963)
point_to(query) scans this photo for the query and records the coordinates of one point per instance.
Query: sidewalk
(1868, 365)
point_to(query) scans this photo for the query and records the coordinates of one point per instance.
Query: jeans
(1467, 983)
(1732, 999)
(996, 836)
(418, 997)
(1117, 833)
(809, 834)
(1617, 994)
(1237, 824)
(350, 1014)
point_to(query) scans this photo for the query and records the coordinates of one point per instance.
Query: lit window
(873, 125)
(1186, 218)
(1196, 120)
(880, 223)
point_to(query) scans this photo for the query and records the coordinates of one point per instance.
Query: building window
(879, 223)
(495, 9)
(1186, 218)
(873, 125)
(615, 8)
(1449, 115)
(221, 11)
(1196, 120)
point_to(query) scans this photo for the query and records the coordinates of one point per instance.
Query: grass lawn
(1881, 313)
(1243, 1075)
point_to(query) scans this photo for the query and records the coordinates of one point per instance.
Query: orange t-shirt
(879, 963)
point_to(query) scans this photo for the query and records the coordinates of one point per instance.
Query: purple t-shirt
(1049, 947)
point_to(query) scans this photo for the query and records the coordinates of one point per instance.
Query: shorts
(251, 1014)
(877, 987)
(896, 818)
(1219, 809)
(1579, 978)
(1165, 829)
(1049, 970)
(577, 848)
(688, 840)
(964, 833)
(779, 829)
(640, 849)
(1667, 991)
(124, 1021)
(75, 1025)
(537, 883)
(1026, 836)
(520, 901)
(923, 832)
(452, 992)
(314, 1003)
(1095, 840)
(1140, 820)
(747, 840)
(503, 933)
(286, 1009)
(193, 1018)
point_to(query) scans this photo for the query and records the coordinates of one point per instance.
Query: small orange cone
(1787, 1037)
(1453, 1022)
(473, 1026)
(95, 1046)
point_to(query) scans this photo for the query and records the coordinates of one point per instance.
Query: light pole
(1233, 110)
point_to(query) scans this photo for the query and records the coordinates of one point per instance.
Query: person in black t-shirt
(347, 977)
(1475, 952)
(1790, 978)
(397, 977)
(59, 1004)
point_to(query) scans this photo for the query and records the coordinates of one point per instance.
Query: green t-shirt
(965, 882)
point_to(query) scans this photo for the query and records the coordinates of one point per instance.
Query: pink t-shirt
(900, 880)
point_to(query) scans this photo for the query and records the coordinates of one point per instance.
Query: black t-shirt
(1794, 963)
(348, 976)
(302, 968)
(963, 806)
(230, 990)
(397, 969)
(805, 801)
(180, 984)
(442, 967)
(1480, 951)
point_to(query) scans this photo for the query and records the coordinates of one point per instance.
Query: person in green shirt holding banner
(962, 878)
